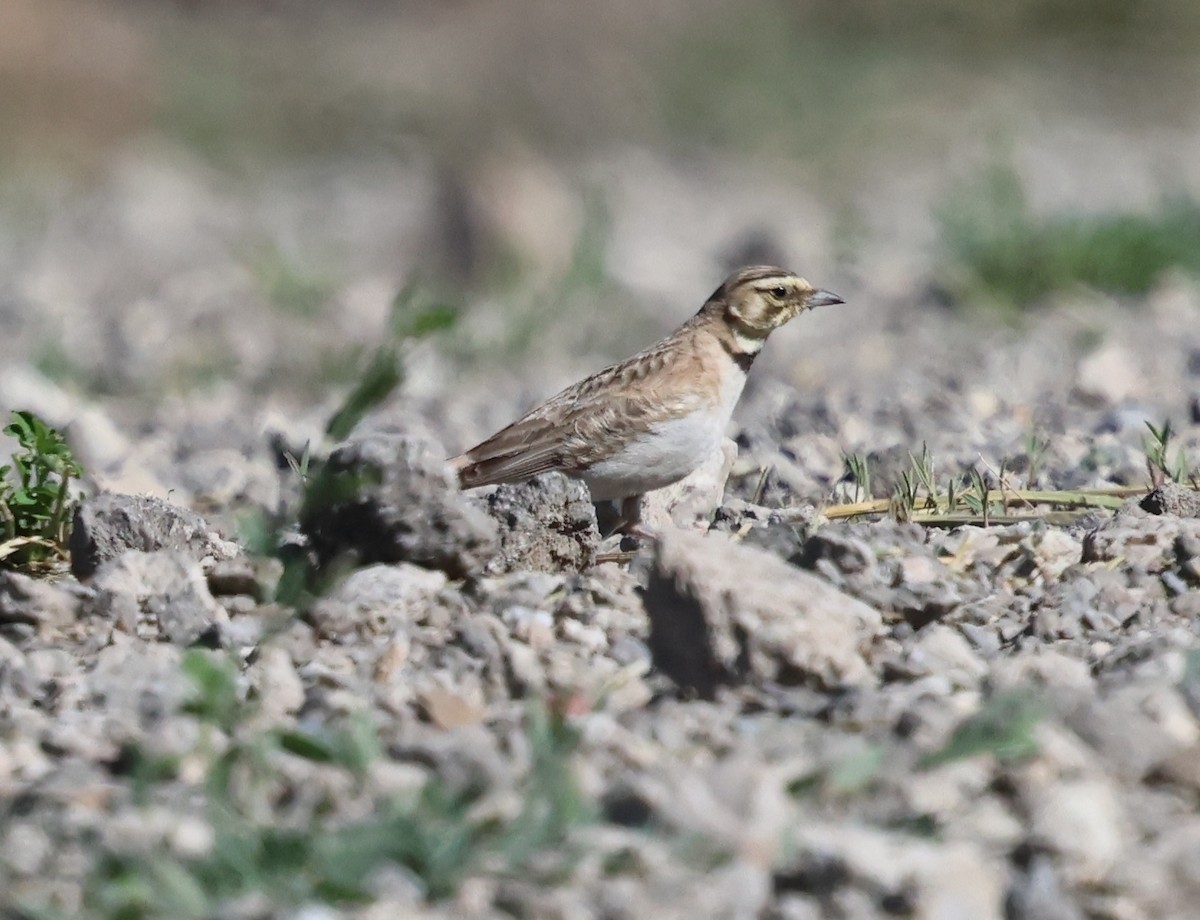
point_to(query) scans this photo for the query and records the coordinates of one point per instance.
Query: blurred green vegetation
(997, 251)
(246, 83)
(1004, 727)
(774, 76)
(269, 842)
(530, 306)
(290, 286)
(833, 98)
(573, 305)
(53, 360)
(416, 312)
(832, 86)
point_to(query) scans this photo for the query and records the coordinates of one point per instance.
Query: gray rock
(1042, 668)
(1082, 820)
(925, 879)
(161, 595)
(1131, 728)
(1175, 860)
(222, 477)
(738, 802)
(1172, 498)
(1138, 539)
(722, 612)
(377, 600)
(922, 604)
(135, 690)
(780, 538)
(545, 525)
(985, 641)
(26, 847)
(15, 676)
(111, 523)
(37, 602)
(392, 498)
(1037, 894)
(941, 650)
(243, 575)
(1109, 375)
(738, 515)
(837, 551)
(277, 687)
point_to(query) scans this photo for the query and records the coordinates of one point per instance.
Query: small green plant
(215, 699)
(1036, 447)
(997, 250)
(847, 776)
(1161, 464)
(36, 501)
(975, 498)
(858, 469)
(977, 495)
(908, 491)
(553, 803)
(53, 360)
(1003, 727)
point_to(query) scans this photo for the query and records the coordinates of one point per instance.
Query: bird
(650, 420)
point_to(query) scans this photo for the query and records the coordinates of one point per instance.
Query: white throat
(748, 344)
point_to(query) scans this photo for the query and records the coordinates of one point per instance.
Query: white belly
(657, 458)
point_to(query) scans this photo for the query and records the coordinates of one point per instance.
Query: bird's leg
(629, 520)
(634, 532)
(623, 516)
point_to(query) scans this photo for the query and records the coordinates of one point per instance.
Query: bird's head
(759, 299)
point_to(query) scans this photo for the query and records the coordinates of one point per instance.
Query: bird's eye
(779, 292)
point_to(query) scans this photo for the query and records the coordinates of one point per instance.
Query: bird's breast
(662, 454)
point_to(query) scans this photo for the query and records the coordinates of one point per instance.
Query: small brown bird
(652, 419)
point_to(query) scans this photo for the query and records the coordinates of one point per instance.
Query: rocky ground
(768, 713)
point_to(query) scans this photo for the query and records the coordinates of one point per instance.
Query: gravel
(766, 713)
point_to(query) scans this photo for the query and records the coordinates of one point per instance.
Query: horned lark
(652, 419)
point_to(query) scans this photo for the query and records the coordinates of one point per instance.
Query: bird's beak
(821, 299)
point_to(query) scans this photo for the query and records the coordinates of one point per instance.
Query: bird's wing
(581, 425)
(551, 437)
(523, 449)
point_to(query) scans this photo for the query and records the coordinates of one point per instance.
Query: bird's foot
(624, 521)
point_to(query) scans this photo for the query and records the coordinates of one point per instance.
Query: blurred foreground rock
(1155, 542)
(377, 601)
(1109, 375)
(721, 612)
(159, 595)
(400, 503)
(36, 602)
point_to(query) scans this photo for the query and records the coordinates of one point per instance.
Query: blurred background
(221, 201)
